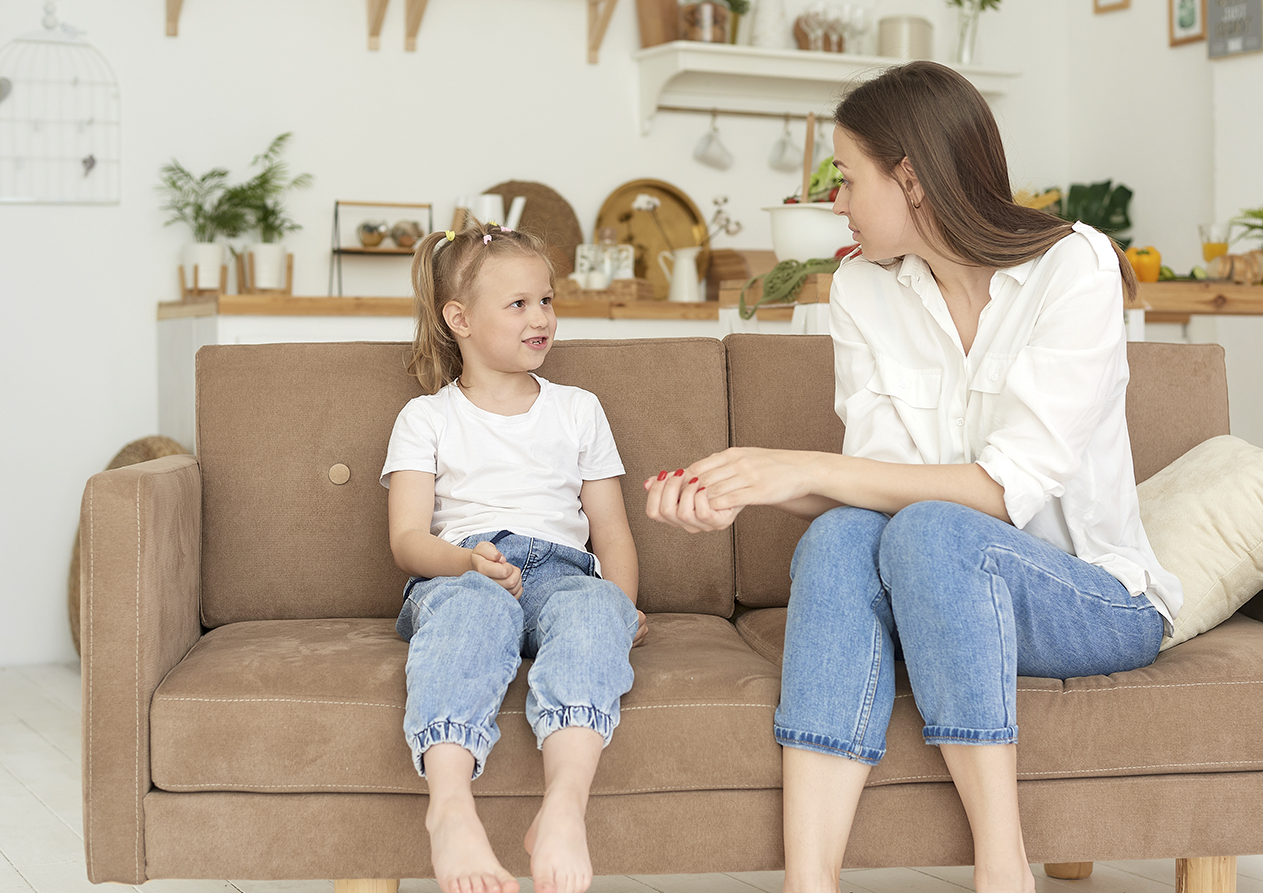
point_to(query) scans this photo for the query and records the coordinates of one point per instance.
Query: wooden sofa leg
(1211, 874)
(1068, 871)
(366, 886)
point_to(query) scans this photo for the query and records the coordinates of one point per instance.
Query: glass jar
(706, 21)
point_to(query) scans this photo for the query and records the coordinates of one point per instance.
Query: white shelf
(720, 77)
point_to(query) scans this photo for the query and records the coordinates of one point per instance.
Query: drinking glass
(1214, 240)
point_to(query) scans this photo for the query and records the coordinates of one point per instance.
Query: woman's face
(873, 202)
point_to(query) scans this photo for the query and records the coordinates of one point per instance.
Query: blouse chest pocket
(919, 388)
(992, 373)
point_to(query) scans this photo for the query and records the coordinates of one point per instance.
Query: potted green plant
(709, 20)
(212, 209)
(262, 197)
(1251, 221)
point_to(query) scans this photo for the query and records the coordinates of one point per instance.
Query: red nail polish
(679, 471)
(662, 475)
(700, 489)
(692, 480)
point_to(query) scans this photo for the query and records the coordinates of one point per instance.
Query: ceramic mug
(711, 151)
(786, 155)
(487, 208)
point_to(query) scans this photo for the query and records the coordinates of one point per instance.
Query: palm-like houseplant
(212, 209)
(262, 198)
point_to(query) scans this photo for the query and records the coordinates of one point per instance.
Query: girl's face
(511, 322)
(873, 202)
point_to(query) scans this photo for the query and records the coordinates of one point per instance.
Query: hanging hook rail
(735, 113)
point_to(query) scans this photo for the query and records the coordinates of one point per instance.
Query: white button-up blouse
(1038, 402)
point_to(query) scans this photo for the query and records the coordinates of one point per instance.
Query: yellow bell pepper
(1147, 262)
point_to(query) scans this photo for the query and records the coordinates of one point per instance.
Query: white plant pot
(804, 231)
(269, 265)
(206, 258)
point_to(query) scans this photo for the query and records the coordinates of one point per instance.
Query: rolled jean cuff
(939, 735)
(444, 732)
(550, 721)
(826, 745)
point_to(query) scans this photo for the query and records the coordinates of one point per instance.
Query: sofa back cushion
(280, 425)
(781, 393)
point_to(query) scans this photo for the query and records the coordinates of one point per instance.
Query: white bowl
(806, 231)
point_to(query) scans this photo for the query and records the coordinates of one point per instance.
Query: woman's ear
(911, 185)
(454, 316)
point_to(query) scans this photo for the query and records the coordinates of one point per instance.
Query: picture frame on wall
(1234, 27)
(1099, 6)
(1186, 21)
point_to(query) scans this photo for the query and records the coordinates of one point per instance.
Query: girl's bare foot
(462, 855)
(558, 843)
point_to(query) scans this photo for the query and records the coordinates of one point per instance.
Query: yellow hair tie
(450, 235)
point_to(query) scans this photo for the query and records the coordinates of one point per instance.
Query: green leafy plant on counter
(209, 206)
(1101, 205)
(983, 5)
(1250, 220)
(261, 195)
(822, 183)
(741, 7)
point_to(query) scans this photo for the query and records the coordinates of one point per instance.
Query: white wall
(496, 91)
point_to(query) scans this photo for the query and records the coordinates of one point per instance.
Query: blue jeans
(968, 601)
(467, 636)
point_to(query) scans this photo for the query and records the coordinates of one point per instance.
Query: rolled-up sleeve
(1059, 383)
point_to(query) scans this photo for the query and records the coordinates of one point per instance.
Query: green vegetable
(822, 181)
(1197, 273)
(1165, 273)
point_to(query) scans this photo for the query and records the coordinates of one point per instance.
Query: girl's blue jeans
(969, 603)
(467, 636)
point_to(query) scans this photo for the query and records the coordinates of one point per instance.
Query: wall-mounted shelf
(173, 17)
(414, 11)
(705, 77)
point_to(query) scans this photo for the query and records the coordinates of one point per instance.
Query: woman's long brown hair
(938, 120)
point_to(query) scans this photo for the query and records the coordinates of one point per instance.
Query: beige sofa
(243, 683)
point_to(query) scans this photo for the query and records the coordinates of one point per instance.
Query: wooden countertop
(1164, 299)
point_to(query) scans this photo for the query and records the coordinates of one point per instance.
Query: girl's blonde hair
(446, 270)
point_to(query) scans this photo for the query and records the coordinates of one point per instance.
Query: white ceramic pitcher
(682, 274)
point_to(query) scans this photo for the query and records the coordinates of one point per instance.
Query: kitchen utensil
(683, 275)
(674, 223)
(546, 214)
(809, 157)
(805, 231)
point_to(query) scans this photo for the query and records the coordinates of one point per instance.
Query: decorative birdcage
(59, 119)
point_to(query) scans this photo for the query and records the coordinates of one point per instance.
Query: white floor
(41, 823)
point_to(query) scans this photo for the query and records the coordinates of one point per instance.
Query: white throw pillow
(1203, 514)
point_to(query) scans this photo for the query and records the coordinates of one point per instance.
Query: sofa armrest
(140, 576)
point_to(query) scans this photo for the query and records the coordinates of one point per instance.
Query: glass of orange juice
(1214, 240)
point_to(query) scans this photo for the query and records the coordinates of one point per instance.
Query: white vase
(269, 265)
(206, 258)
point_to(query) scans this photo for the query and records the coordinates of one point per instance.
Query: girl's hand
(641, 630)
(487, 560)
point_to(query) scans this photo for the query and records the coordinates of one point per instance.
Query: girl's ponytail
(435, 359)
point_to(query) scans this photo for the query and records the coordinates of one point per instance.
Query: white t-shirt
(1038, 402)
(492, 472)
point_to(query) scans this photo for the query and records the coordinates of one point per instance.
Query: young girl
(982, 521)
(497, 481)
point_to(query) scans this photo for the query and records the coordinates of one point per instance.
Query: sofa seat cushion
(317, 705)
(1198, 708)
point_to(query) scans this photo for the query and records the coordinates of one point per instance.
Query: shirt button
(903, 384)
(960, 423)
(994, 375)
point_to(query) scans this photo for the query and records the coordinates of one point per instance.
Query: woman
(981, 522)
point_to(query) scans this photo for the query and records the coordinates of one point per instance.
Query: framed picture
(1186, 21)
(1109, 5)
(1233, 27)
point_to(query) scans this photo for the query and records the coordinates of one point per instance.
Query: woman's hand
(487, 560)
(709, 494)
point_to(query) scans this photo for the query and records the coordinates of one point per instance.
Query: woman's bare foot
(463, 859)
(558, 843)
